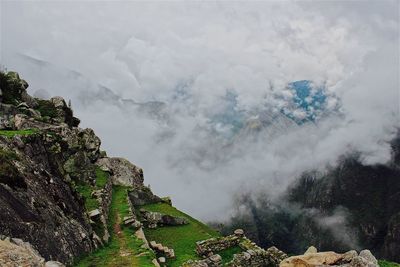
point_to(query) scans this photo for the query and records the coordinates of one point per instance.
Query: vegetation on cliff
(124, 248)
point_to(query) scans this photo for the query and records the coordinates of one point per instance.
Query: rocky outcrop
(15, 252)
(143, 195)
(39, 172)
(349, 259)
(155, 219)
(38, 205)
(123, 172)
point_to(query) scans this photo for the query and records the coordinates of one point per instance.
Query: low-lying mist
(198, 94)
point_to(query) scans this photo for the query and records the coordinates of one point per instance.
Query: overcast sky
(189, 55)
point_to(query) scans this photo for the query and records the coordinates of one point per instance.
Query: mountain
(349, 205)
(63, 201)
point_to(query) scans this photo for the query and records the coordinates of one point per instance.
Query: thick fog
(194, 92)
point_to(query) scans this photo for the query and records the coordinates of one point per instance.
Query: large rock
(12, 254)
(142, 195)
(123, 172)
(348, 259)
(12, 88)
(154, 219)
(312, 259)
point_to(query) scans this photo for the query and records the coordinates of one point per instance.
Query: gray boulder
(123, 172)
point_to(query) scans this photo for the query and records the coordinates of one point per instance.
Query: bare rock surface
(123, 172)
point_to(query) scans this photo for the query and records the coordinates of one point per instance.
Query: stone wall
(105, 201)
(258, 258)
(213, 245)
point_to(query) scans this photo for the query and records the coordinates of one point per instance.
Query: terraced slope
(182, 238)
(124, 249)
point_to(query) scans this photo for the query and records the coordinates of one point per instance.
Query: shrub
(46, 108)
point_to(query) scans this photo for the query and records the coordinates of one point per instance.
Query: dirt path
(124, 250)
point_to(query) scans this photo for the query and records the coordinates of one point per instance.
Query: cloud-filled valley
(201, 94)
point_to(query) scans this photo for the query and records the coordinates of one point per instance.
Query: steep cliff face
(38, 205)
(43, 156)
(54, 192)
(369, 194)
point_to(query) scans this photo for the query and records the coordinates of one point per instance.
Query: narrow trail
(125, 255)
(124, 250)
(121, 251)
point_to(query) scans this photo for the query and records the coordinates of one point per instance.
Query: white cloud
(149, 50)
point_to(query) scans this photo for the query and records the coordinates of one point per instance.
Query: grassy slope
(12, 133)
(86, 190)
(124, 248)
(181, 238)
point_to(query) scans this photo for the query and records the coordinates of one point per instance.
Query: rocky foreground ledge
(62, 199)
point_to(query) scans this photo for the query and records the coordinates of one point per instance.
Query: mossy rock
(9, 174)
(12, 87)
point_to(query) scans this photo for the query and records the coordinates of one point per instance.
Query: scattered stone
(239, 232)
(349, 255)
(366, 254)
(155, 262)
(54, 264)
(94, 213)
(162, 260)
(311, 250)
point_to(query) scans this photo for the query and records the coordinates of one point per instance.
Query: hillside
(362, 200)
(63, 201)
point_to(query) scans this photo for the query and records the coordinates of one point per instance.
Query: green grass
(227, 254)
(383, 263)
(110, 255)
(12, 133)
(181, 238)
(86, 190)
(101, 177)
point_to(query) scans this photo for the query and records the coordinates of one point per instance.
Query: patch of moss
(181, 238)
(12, 133)
(101, 177)
(86, 190)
